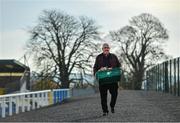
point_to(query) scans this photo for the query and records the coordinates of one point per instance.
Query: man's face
(106, 50)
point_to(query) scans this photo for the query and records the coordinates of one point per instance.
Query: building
(14, 76)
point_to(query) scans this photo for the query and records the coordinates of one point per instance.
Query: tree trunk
(65, 82)
(64, 77)
(137, 81)
(138, 84)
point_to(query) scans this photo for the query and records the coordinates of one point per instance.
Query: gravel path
(131, 106)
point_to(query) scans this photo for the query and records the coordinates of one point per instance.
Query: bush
(2, 91)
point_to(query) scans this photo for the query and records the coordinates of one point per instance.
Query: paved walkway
(131, 106)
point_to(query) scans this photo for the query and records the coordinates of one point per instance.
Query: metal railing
(165, 77)
(15, 103)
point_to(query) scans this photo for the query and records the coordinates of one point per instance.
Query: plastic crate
(108, 76)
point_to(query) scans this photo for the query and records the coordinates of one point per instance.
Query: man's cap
(105, 45)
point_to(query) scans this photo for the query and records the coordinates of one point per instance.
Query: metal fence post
(170, 77)
(33, 101)
(174, 76)
(17, 104)
(23, 103)
(3, 107)
(166, 77)
(28, 102)
(10, 106)
(38, 100)
(178, 76)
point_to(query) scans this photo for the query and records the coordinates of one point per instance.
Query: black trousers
(113, 89)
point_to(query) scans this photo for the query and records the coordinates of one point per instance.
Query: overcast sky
(16, 16)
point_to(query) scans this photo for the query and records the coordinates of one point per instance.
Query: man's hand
(102, 69)
(110, 68)
(105, 68)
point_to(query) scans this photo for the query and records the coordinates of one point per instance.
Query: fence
(165, 77)
(82, 91)
(21, 102)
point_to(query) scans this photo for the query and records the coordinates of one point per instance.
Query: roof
(12, 65)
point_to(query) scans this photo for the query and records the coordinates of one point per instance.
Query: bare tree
(141, 45)
(60, 42)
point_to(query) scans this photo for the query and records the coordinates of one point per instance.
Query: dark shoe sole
(112, 111)
(105, 113)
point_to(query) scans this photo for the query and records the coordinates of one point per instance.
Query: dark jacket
(113, 61)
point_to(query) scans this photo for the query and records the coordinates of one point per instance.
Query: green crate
(109, 76)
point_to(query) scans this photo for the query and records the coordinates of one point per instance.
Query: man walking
(107, 60)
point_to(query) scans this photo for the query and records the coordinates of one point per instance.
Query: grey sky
(16, 16)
